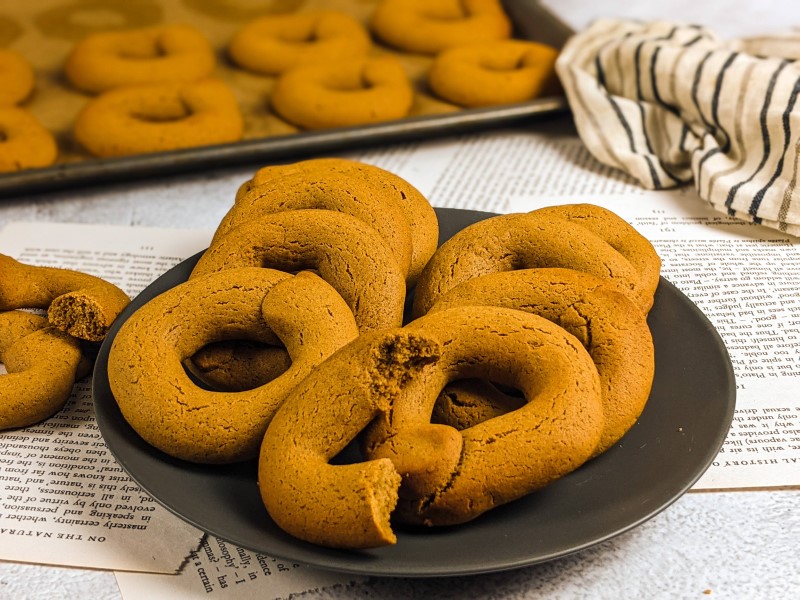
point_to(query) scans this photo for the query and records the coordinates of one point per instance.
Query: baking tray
(531, 21)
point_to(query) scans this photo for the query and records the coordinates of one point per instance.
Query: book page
(746, 280)
(487, 171)
(64, 500)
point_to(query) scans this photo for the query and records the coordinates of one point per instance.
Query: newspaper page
(746, 280)
(63, 498)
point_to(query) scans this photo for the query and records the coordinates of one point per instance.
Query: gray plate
(676, 439)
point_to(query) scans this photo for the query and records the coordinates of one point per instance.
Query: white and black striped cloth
(672, 104)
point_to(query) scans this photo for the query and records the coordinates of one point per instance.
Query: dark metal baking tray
(531, 21)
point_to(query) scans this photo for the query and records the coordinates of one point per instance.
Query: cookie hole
(492, 64)
(165, 113)
(237, 365)
(143, 51)
(3, 136)
(457, 13)
(465, 403)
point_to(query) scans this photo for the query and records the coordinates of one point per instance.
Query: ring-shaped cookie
(367, 201)
(24, 143)
(609, 325)
(345, 251)
(620, 235)
(42, 365)
(419, 213)
(389, 380)
(163, 54)
(523, 241)
(159, 400)
(492, 73)
(159, 117)
(273, 44)
(430, 26)
(82, 305)
(358, 91)
(16, 75)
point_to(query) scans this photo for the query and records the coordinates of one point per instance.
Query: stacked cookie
(528, 353)
(324, 219)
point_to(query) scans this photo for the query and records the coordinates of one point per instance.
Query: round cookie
(430, 26)
(163, 54)
(159, 117)
(345, 251)
(387, 382)
(609, 325)
(276, 43)
(16, 77)
(82, 305)
(42, 365)
(522, 241)
(159, 400)
(347, 93)
(24, 143)
(419, 213)
(492, 73)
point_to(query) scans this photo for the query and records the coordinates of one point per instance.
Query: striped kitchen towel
(672, 104)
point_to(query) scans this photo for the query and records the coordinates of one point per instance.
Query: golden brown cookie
(159, 117)
(359, 91)
(275, 43)
(430, 26)
(159, 400)
(79, 304)
(611, 327)
(523, 241)
(162, 54)
(345, 251)
(24, 143)
(389, 380)
(42, 365)
(16, 78)
(492, 73)
(418, 211)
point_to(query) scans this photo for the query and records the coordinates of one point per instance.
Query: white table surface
(706, 545)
